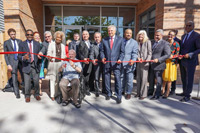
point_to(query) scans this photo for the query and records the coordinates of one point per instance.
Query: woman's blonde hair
(59, 33)
(68, 41)
(144, 33)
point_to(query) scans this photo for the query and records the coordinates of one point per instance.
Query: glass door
(69, 31)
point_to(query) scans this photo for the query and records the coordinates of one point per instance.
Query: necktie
(15, 49)
(30, 47)
(186, 38)
(111, 43)
(125, 41)
(155, 44)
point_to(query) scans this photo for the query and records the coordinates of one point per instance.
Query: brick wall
(144, 5)
(22, 15)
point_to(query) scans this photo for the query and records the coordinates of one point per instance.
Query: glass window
(53, 15)
(126, 16)
(147, 21)
(81, 15)
(144, 18)
(153, 14)
(121, 30)
(109, 16)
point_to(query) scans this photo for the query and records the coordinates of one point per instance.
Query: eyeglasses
(47, 36)
(170, 35)
(188, 25)
(29, 34)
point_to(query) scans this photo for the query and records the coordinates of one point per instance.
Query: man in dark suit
(74, 44)
(160, 52)
(190, 48)
(83, 51)
(30, 62)
(113, 50)
(97, 66)
(12, 60)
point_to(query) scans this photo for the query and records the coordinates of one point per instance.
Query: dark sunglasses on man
(29, 34)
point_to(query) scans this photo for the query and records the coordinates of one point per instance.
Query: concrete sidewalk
(99, 116)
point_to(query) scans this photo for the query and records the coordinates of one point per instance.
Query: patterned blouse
(175, 49)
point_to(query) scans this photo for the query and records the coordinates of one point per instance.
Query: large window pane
(109, 16)
(81, 15)
(53, 15)
(126, 16)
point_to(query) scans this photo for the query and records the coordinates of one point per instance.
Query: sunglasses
(29, 34)
(188, 25)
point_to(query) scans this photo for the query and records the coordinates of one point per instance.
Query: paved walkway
(99, 116)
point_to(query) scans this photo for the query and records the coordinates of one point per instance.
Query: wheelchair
(82, 89)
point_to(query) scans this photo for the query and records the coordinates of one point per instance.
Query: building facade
(72, 16)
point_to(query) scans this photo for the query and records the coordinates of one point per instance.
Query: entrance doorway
(70, 30)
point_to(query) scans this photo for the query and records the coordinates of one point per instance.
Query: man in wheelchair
(71, 74)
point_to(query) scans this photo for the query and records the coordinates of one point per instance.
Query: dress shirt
(69, 72)
(17, 47)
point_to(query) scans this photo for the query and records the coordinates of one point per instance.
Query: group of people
(157, 62)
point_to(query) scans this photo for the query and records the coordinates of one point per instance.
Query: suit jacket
(23, 47)
(9, 47)
(83, 50)
(192, 46)
(161, 52)
(117, 52)
(131, 51)
(145, 52)
(74, 45)
(95, 51)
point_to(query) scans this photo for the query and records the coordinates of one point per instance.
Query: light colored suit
(131, 53)
(53, 67)
(145, 53)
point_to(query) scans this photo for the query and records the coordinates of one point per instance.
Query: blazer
(23, 47)
(191, 46)
(145, 52)
(131, 51)
(83, 51)
(52, 52)
(161, 52)
(95, 51)
(74, 45)
(117, 52)
(9, 47)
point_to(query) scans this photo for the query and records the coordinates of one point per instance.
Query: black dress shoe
(154, 98)
(17, 96)
(107, 97)
(119, 100)
(123, 93)
(88, 93)
(97, 94)
(185, 99)
(172, 93)
(180, 94)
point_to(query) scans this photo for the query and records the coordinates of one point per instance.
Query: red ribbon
(175, 56)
